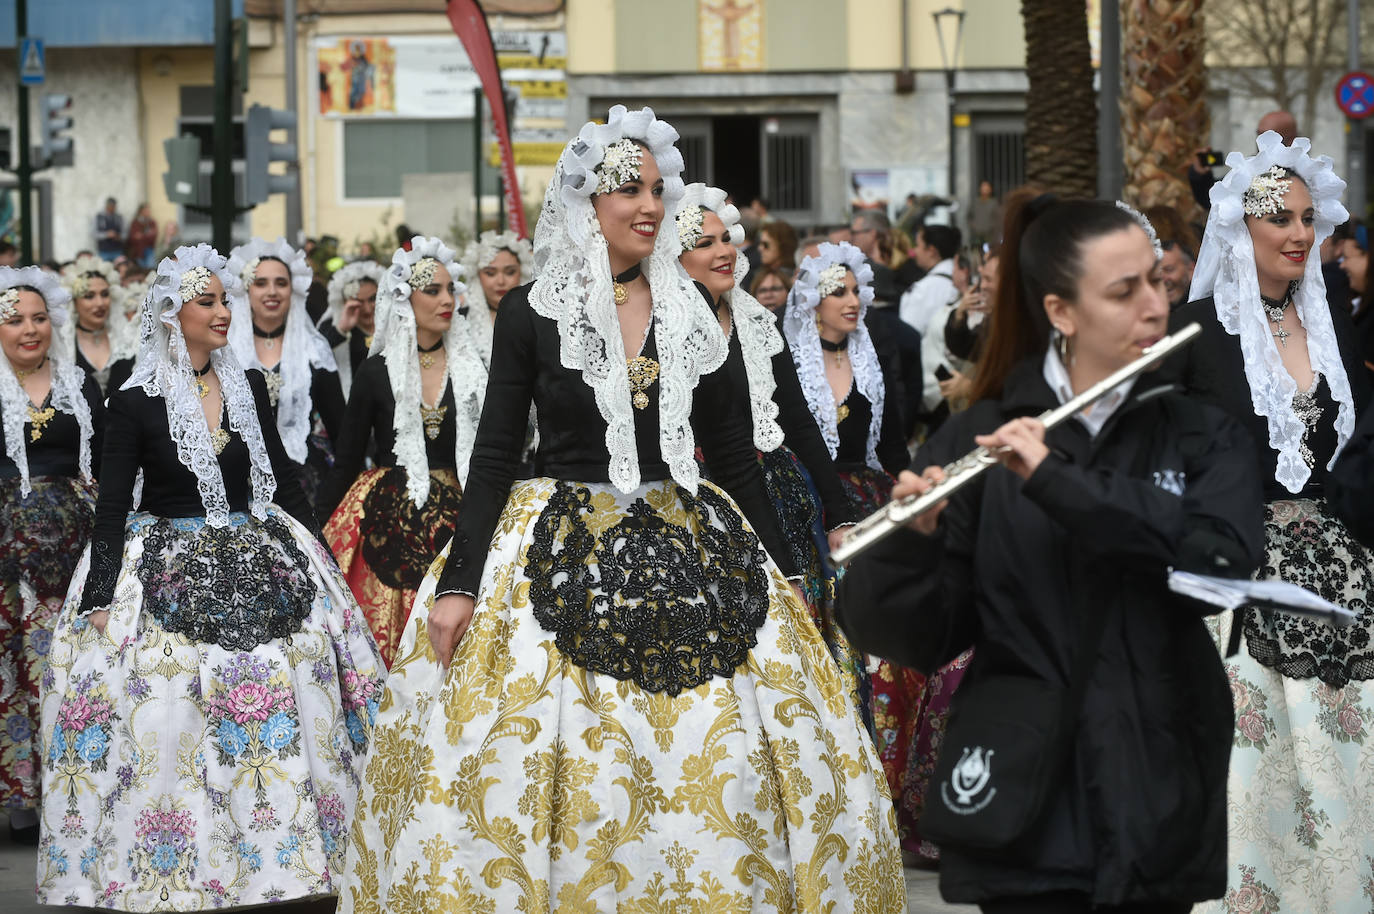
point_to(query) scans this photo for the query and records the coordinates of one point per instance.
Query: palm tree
(1061, 106)
(1164, 114)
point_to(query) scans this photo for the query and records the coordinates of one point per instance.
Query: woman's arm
(326, 394)
(350, 448)
(803, 436)
(119, 467)
(289, 493)
(91, 391)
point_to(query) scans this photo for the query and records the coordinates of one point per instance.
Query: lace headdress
(477, 256)
(303, 348)
(1226, 271)
(67, 378)
(76, 279)
(343, 285)
(759, 338)
(164, 369)
(816, 278)
(573, 287)
(394, 340)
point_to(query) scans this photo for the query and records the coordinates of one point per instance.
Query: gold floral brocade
(519, 781)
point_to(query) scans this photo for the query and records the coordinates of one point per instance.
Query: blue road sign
(31, 61)
(1355, 94)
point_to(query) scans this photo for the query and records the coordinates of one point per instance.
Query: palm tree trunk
(1164, 115)
(1061, 107)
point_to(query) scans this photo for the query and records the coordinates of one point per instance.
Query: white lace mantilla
(573, 288)
(343, 285)
(477, 256)
(394, 340)
(759, 337)
(163, 369)
(799, 325)
(1226, 271)
(303, 348)
(67, 379)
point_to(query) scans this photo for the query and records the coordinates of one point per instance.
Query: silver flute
(897, 514)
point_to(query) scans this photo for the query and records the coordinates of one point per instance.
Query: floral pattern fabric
(41, 538)
(384, 544)
(181, 775)
(517, 780)
(1300, 794)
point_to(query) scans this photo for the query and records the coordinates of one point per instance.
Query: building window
(755, 156)
(999, 151)
(378, 153)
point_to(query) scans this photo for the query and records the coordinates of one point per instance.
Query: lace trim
(799, 325)
(14, 405)
(303, 348)
(477, 256)
(1226, 271)
(164, 370)
(665, 605)
(573, 289)
(343, 285)
(395, 341)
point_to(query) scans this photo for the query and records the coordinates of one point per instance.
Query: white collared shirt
(1095, 416)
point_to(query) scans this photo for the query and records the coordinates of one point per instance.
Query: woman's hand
(956, 386)
(908, 483)
(448, 623)
(99, 619)
(836, 536)
(1019, 445)
(348, 317)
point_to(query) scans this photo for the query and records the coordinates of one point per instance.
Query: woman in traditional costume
(639, 713)
(98, 340)
(211, 684)
(352, 318)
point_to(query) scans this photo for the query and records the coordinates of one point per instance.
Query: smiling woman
(1288, 366)
(211, 624)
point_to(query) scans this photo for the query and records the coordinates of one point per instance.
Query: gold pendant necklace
(24, 374)
(39, 418)
(273, 380)
(643, 372)
(618, 290)
(433, 418)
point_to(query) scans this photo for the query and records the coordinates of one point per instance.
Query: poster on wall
(869, 189)
(533, 69)
(403, 76)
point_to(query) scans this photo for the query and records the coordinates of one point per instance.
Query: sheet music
(1229, 593)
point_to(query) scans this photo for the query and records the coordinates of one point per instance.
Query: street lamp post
(949, 57)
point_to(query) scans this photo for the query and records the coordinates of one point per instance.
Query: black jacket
(1015, 568)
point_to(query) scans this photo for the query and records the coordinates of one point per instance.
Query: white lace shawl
(164, 369)
(1226, 271)
(573, 288)
(123, 334)
(303, 348)
(394, 340)
(799, 325)
(759, 337)
(67, 380)
(477, 256)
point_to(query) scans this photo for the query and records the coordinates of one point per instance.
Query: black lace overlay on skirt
(43, 534)
(399, 540)
(236, 586)
(1308, 547)
(647, 600)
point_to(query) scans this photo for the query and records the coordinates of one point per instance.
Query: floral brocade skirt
(642, 717)
(1300, 793)
(385, 544)
(183, 774)
(41, 538)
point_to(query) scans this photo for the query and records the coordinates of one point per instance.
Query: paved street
(17, 869)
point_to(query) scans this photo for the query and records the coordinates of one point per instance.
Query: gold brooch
(40, 419)
(643, 373)
(218, 439)
(273, 380)
(841, 413)
(433, 418)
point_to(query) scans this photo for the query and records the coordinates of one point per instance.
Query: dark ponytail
(1041, 255)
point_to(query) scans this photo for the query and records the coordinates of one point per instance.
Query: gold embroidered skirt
(642, 717)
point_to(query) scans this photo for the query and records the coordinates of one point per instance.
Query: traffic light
(259, 152)
(182, 177)
(6, 149)
(56, 147)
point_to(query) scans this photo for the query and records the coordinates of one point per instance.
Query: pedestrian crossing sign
(31, 60)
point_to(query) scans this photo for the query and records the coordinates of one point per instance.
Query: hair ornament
(1143, 221)
(620, 166)
(195, 282)
(1265, 194)
(689, 226)
(831, 279)
(9, 304)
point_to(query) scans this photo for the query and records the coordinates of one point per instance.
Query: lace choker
(618, 281)
(1276, 310)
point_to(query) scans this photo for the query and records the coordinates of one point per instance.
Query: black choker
(202, 372)
(433, 348)
(100, 332)
(628, 276)
(1279, 304)
(841, 346)
(269, 334)
(618, 290)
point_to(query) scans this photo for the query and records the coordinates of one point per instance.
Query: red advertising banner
(470, 25)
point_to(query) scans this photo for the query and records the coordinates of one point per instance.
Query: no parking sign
(1355, 94)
